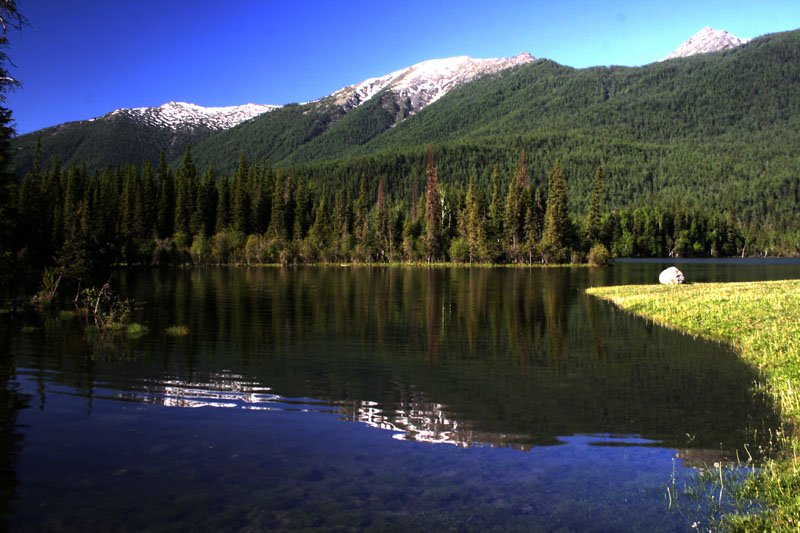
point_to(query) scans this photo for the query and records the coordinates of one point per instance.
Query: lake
(368, 398)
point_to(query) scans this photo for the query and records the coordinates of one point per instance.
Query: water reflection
(12, 400)
(489, 361)
(517, 352)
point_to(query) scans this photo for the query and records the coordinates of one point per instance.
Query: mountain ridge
(349, 121)
(706, 41)
(187, 116)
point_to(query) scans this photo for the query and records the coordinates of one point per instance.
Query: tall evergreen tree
(383, 234)
(148, 198)
(593, 225)
(186, 185)
(433, 230)
(494, 228)
(241, 197)
(223, 204)
(277, 223)
(303, 205)
(556, 221)
(361, 213)
(204, 219)
(342, 222)
(261, 198)
(534, 224)
(9, 236)
(320, 231)
(473, 228)
(166, 199)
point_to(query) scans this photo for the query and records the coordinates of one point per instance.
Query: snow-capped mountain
(420, 84)
(180, 116)
(425, 82)
(705, 41)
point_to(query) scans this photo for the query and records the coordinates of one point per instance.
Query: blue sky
(82, 59)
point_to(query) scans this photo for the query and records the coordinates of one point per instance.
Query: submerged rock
(671, 276)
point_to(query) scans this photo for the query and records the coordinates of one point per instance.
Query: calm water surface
(371, 398)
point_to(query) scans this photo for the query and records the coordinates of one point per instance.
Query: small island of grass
(760, 320)
(177, 331)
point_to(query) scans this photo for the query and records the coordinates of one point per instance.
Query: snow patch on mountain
(426, 82)
(182, 116)
(705, 41)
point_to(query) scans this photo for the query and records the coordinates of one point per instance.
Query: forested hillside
(716, 130)
(96, 143)
(541, 163)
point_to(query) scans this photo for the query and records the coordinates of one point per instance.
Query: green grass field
(761, 320)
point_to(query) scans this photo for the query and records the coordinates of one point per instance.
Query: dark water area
(372, 399)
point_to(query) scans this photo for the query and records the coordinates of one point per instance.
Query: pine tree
(383, 234)
(166, 199)
(515, 210)
(593, 226)
(302, 209)
(204, 219)
(361, 211)
(261, 198)
(186, 185)
(433, 230)
(277, 223)
(9, 216)
(534, 224)
(241, 197)
(146, 221)
(342, 222)
(223, 204)
(320, 231)
(473, 229)
(556, 221)
(494, 228)
(730, 248)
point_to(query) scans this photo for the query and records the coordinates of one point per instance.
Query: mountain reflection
(499, 357)
(423, 421)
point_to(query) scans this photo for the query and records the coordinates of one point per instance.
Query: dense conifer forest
(146, 215)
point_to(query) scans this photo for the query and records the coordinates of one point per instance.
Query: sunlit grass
(177, 331)
(761, 320)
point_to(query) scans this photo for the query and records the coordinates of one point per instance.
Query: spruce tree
(494, 225)
(223, 204)
(473, 229)
(277, 223)
(146, 217)
(204, 219)
(383, 235)
(302, 209)
(241, 197)
(261, 198)
(556, 221)
(9, 216)
(166, 199)
(361, 221)
(320, 231)
(186, 185)
(433, 230)
(593, 225)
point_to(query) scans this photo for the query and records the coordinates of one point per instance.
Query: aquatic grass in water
(177, 331)
(136, 330)
(759, 320)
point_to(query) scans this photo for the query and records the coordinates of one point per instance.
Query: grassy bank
(761, 320)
